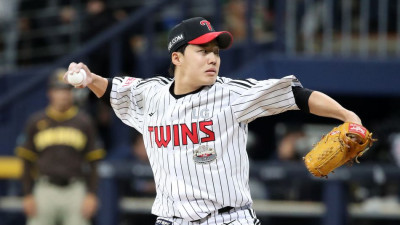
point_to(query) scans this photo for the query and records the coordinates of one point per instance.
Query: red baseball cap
(197, 31)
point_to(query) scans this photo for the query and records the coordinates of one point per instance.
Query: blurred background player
(60, 156)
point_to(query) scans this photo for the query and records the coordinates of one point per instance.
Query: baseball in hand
(77, 79)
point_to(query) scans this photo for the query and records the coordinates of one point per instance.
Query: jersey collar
(61, 116)
(171, 91)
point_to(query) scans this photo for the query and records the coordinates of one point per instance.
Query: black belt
(220, 211)
(225, 209)
(61, 182)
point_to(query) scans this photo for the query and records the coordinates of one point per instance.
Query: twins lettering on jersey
(181, 134)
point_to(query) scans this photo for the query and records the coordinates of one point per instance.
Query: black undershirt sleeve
(106, 97)
(301, 96)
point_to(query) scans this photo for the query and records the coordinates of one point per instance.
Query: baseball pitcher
(195, 124)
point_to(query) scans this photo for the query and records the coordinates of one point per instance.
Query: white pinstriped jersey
(215, 117)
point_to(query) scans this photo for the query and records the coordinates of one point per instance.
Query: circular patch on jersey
(204, 154)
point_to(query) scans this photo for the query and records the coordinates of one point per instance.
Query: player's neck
(181, 87)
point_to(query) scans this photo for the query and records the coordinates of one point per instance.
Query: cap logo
(206, 23)
(174, 40)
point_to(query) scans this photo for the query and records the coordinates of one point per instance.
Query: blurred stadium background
(349, 49)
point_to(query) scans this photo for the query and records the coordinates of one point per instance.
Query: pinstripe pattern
(217, 117)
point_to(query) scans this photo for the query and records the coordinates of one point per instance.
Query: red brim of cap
(224, 39)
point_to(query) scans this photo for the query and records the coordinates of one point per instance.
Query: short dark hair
(171, 69)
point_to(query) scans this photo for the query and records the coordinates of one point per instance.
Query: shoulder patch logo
(128, 81)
